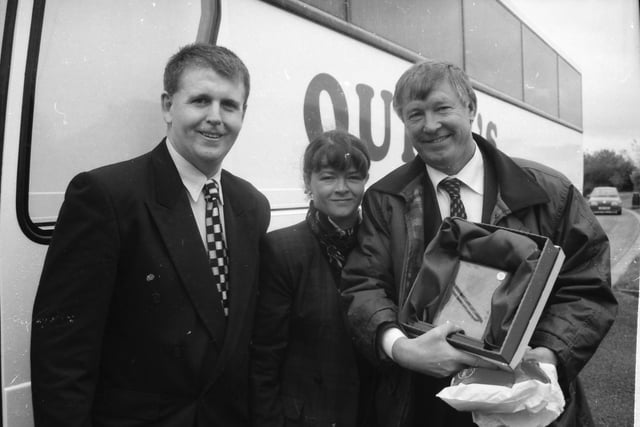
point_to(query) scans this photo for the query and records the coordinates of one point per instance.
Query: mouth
(211, 135)
(436, 140)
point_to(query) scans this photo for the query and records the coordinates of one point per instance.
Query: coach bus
(81, 83)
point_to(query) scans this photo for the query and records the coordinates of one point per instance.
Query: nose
(341, 185)
(431, 122)
(213, 114)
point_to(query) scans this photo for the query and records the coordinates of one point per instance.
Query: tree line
(609, 168)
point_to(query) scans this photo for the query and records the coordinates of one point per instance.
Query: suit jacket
(303, 366)
(128, 328)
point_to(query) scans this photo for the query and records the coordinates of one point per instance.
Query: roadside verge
(627, 262)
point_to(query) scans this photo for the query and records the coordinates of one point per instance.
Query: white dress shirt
(471, 192)
(194, 180)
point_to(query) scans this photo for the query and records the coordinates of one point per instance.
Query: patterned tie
(452, 186)
(215, 243)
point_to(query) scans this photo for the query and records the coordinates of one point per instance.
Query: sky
(602, 39)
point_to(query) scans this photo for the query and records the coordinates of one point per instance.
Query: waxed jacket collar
(517, 190)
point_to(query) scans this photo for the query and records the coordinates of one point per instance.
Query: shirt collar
(472, 174)
(192, 179)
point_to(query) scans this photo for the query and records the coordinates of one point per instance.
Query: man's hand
(431, 354)
(542, 355)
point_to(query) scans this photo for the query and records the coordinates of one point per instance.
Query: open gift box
(491, 281)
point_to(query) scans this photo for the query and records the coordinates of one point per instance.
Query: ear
(366, 178)
(472, 111)
(307, 186)
(166, 102)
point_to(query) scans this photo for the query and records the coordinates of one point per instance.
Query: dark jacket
(303, 367)
(128, 328)
(401, 216)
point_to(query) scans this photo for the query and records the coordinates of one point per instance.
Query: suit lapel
(239, 233)
(172, 213)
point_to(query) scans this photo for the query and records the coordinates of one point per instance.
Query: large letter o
(312, 118)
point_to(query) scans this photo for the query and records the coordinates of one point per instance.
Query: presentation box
(468, 303)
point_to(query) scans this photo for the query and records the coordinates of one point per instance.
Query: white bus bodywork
(105, 107)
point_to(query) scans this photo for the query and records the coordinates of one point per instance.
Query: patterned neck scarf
(335, 242)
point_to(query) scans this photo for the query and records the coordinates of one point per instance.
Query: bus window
(96, 99)
(432, 29)
(570, 83)
(540, 73)
(492, 46)
(3, 13)
(485, 38)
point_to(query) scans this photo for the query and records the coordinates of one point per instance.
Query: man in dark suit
(136, 321)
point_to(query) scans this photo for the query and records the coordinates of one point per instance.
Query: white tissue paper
(530, 396)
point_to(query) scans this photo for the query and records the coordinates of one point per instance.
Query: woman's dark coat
(303, 367)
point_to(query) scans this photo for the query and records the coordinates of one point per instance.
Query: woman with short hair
(304, 370)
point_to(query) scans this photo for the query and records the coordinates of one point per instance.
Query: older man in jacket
(402, 213)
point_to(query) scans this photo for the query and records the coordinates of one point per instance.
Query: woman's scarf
(335, 242)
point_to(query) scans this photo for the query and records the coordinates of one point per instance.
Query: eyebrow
(231, 101)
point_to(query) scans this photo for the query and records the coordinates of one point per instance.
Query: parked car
(605, 200)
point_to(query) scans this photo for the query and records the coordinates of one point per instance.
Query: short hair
(420, 78)
(338, 150)
(204, 55)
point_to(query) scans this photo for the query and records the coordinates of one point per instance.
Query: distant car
(605, 200)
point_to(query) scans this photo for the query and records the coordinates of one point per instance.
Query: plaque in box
(468, 300)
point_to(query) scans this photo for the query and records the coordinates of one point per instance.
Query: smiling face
(439, 128)
(204, 117)
(337, 193)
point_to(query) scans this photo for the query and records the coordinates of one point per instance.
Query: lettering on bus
(313, 121)
(491, 133)
(328, 84)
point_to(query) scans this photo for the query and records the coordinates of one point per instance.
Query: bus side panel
(305, 75)
(21, 259)
(519, 133)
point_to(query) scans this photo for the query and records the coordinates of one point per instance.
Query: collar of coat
(517, 188)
